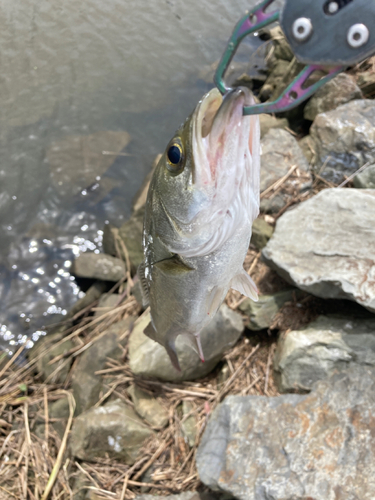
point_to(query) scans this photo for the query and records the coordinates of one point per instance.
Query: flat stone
(57, 372)
(148, 407)
(325, 246)
(112, 430)
(366, 179)
(99, 266)
(344, 139)
(76, 161)
(268, 121)
(307, 145)
(92, 294)
(131, 234)
(189, 426)
(326, 345)
(280, 151)
(337, 91)
(262, 313)
(107, 302)
(148, 359)
(261, 233)
(86, 384)
(295, 447)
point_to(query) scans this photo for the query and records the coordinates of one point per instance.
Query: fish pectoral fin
(245, 285)
(150, 332)
(144, 287)
(214, 300)
(173, 266)
(170, 347)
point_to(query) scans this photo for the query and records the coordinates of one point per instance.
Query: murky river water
(77, 79)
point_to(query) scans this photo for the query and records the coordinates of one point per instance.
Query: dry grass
(34, 457)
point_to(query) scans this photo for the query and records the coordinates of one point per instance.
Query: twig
(354, 175)
(46, 417)
(278, 183)
(154, 457)
(56, 467)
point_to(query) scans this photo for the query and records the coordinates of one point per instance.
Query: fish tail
(172, 353)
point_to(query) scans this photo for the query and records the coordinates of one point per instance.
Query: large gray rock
(326, 244)
(112, 430)
(344, 139)
(99, 266)
(339, 90)
(48, 348)
(148, 359)
(365, 179)
(131, 234)
(267, 122)
(292, 447)
(148, 407)
(87, 385)
(262, 313)
(326, 345)
(280, 151)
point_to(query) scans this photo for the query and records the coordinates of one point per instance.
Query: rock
(269, 121)
(92, 294)
(261, 233)
(337, 91)
(282, 48)
(109, 246)
(58, 371)
(278, 71)
(99, 266)
(316, 246)
(263, 312)
(344, 139)
(280, 151)
(189, 426)
(366, 179)
(148, 407)
(326, 345)
(107, 302)
(150, 360)
(131, 234)
(112, 430)
(366, 82)
(76, 161)
(307, 146)
(295, 447)
(272, 205)
(188, 495)
(87, 386)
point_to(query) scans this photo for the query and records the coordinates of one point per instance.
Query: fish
(202, 201)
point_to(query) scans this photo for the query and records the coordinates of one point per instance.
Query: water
(76, 78)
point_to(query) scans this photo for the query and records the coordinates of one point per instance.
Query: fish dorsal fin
(245, 285)
(144, 286)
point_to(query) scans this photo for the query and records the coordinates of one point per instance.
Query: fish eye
(175, 157)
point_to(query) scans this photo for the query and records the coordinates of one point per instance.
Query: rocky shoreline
(284, 406)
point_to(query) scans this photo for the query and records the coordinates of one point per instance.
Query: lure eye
(175, 157)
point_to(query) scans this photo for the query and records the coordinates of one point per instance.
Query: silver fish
(202, 201)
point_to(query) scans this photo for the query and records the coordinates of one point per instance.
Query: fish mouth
(219, 134)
